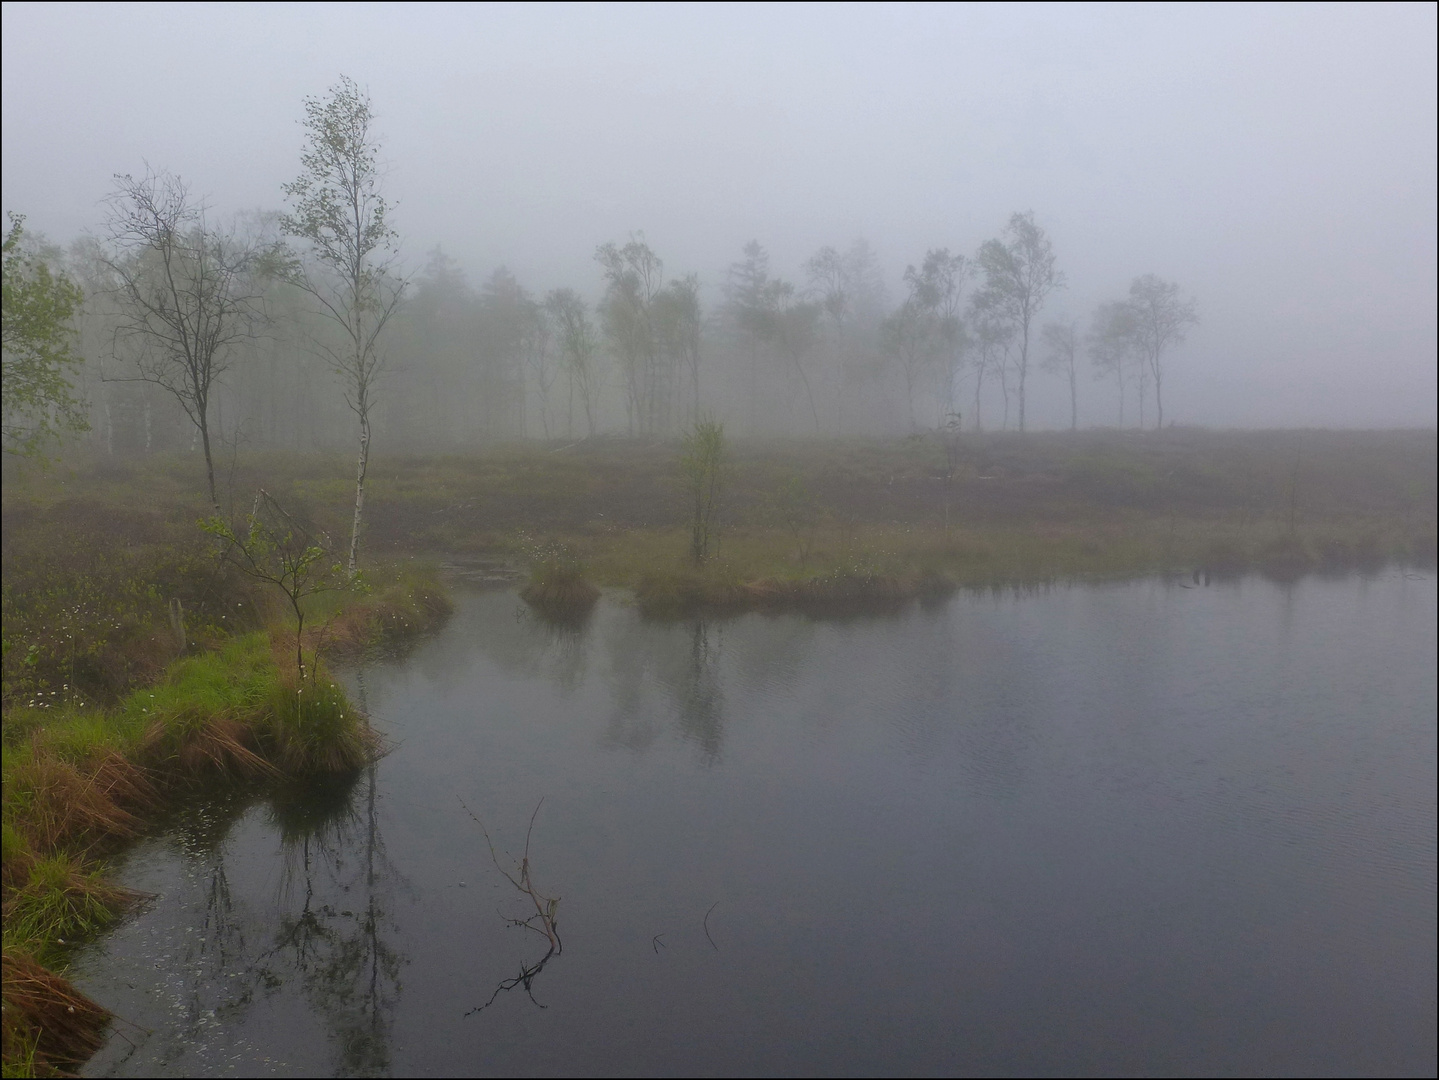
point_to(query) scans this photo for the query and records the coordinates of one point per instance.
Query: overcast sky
(1279, 162)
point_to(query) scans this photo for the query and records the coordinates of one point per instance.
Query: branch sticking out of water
(546, 908)
(707, 924)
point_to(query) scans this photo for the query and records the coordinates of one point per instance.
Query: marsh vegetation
(253, 455)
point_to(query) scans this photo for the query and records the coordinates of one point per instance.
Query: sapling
(276, 550)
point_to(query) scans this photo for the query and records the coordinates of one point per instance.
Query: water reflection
(340, 950)
(1146, 819)
(326, 928)
(699, 697)
(684, 667)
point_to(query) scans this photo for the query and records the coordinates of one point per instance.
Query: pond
(1146, 827)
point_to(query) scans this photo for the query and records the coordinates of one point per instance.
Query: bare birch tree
(1062, 339)
(937, 288)
(1110, 344)
(1160, 320)
(349, 267)
(679, 320)
(185, 295)
(905, 338)
(579, 347)
(994, 338)
(634, 275)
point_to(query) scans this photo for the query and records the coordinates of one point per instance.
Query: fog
(1277, 163)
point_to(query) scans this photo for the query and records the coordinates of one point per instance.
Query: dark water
(1135, 828)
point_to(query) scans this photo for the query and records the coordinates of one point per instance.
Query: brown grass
(212, 745)
(392, 615)
(45, 1019)
(561, 594)
(69, 805)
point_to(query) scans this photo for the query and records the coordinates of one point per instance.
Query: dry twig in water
(546, 908)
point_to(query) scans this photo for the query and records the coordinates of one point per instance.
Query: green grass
(62, 902)
(79, 780)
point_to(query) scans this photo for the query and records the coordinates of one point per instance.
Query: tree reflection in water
(698, 695)
(341, 952)
(219, 948)
(335, 926)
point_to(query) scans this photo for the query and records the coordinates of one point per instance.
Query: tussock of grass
(206, 718)
(400, 607)
(61, 901)
(51, 803)
(558, 587)
(313, 728)
(47, 1027)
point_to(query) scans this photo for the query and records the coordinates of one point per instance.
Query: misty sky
(1279, 162)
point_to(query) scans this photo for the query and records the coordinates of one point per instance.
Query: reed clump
(399, 607)
(311, 727)
(557, 586)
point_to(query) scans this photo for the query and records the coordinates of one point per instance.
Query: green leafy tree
(278, 551)
(39, 309)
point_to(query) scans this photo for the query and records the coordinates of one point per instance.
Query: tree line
(301, 328)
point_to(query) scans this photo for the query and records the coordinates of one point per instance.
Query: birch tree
(579, 347)
(1063, 341)
(1161, 317)
(1019, 276)
(679, 320)
(634, 275)
(349, 262)
(1110, 344)
(937, 289)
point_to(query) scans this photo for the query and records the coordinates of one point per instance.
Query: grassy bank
(140, 668)
(803, 520)
(863, 526)
(850, 567)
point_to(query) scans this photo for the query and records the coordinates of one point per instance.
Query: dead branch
(546, 908)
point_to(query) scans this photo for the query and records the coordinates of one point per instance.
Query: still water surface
(1114, 829)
